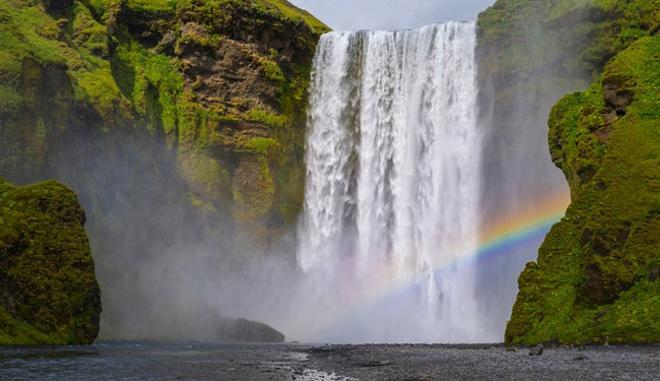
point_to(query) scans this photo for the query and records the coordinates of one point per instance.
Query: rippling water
(158, 361)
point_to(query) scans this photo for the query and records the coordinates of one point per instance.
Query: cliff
(48, 289)
(180, 125)
(596, 277)
(222, 83)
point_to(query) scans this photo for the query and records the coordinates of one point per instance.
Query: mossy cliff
(530, 54)
(48, 289)
(596, 277)
(221, 82)
(180, 125)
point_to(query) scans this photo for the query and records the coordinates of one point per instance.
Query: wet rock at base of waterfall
(243, 330)
(536, 351)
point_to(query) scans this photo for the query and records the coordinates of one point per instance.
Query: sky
(391, 14)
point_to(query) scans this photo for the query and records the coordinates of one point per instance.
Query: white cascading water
(392, 199)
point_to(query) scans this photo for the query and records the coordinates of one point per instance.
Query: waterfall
(392, 196)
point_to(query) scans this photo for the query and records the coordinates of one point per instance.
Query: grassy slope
(47, 281)
(596, 277)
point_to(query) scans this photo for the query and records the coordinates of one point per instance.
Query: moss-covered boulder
(596, 278)
(48, 288)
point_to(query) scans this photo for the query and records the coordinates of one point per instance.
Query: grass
(294, 13)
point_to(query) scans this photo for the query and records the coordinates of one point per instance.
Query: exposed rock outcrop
(48, 288)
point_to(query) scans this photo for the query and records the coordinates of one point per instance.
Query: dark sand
(478, 362)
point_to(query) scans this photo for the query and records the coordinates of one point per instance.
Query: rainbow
(522, 228)
(519, 230)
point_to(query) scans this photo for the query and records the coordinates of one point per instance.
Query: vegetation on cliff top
(596, 278)
(568, 38)
(48, 289)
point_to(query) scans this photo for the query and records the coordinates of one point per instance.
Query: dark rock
(57, 4)
(616, 97)
(536, 351)
(374, 363)
(249, 331)
(580, 358)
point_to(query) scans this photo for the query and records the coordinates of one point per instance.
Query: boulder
(48, 288)
(243, 330)
(536, 350)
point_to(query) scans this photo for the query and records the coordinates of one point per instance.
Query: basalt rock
(242, 330)
(536, 350)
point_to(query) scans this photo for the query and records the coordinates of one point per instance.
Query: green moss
(153, 5)
(26, 31)
(273, 71)
(289, 11)
(594, 281)
(206, 175)
(260, 145)
(87, 32)
(565, 38)
(50, 289)
(17, 332)
(279, 9)
(253, 190)
(263, 116)
(124, 74)
(573, 145)
(143, 74)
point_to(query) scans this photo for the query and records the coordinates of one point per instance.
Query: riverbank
(486, 362)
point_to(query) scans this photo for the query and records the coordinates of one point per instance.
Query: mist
(169, 270)
(391, 14)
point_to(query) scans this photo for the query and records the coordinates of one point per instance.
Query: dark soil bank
(138, 361)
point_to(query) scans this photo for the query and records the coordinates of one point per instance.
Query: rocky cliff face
(222, 83)
(174, 121)
(48, 289)
(595, 280)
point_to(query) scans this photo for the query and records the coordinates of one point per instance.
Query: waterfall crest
(392, 195)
